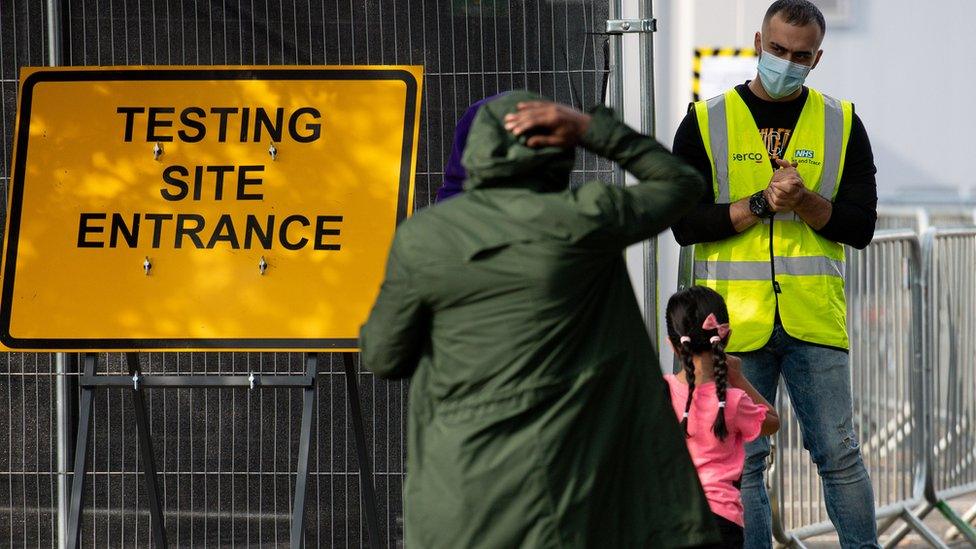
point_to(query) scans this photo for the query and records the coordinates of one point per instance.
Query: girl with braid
(719, 409)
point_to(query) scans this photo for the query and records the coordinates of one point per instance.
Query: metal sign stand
(137, 382)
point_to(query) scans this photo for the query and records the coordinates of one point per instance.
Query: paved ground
(935, 521)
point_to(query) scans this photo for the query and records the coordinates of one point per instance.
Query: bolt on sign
(204, 208)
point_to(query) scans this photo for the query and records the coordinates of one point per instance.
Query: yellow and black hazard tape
(713, 52)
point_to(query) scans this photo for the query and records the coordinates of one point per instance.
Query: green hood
(494, 157)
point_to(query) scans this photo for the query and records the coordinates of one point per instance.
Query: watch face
(758, 205)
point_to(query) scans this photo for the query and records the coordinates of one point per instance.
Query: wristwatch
(759, 207)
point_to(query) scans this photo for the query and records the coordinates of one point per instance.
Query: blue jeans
(819, 384)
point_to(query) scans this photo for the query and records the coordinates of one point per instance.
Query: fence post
(649, 247)
(633, 77)
(54, 58)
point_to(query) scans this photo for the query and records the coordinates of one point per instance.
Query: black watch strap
(759, 206)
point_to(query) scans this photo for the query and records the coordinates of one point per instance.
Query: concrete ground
(935, 521)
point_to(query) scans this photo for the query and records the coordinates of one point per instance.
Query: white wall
(907, 66)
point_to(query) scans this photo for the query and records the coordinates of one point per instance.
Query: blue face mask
(780, 77)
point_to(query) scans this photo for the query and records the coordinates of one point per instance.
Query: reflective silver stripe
(814, 265)
(833, 141)
(718, 136)
(759, 270)
(732, 270)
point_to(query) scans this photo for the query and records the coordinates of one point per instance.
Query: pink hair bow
(711, 323)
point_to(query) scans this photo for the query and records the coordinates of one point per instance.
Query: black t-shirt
(855, 205)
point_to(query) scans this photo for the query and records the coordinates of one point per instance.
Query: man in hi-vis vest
(792, 181)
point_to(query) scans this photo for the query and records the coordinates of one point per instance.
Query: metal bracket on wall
(624, 26)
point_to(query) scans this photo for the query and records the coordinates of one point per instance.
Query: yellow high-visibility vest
(781, 262)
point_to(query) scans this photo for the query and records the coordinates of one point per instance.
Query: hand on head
(547, 124)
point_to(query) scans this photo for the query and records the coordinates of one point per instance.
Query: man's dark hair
(797, 12)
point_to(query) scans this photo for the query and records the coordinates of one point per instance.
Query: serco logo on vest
(756, 157)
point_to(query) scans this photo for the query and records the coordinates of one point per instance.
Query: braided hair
(689, 366)
(686, 312)
(721, 372)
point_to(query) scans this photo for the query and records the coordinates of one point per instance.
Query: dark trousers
(732, 536)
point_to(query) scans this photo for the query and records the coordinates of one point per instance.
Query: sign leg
(81, 455)
(365, 467)
(148, 459)
(301, 481)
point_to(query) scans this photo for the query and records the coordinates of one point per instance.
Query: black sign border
(169, 74)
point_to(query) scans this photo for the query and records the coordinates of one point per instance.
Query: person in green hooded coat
(538, 416)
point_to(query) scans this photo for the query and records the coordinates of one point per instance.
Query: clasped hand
(786, 190)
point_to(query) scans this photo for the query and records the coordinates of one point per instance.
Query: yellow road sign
(204, 208)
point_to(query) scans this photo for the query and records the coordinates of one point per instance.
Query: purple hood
(454, 174)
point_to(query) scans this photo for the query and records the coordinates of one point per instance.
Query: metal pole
(60, 359)
(953, 533)
(61, 398)
(148, 458)
(617, 75)
(647, 127)
(301, 479)
(81, 454)
(365, 467)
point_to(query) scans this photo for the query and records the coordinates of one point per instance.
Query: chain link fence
(226, 458)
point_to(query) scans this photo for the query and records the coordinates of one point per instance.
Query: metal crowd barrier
(918, 217)
(950, 350)
(912, 322)
(951, 279)
(884, 298)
